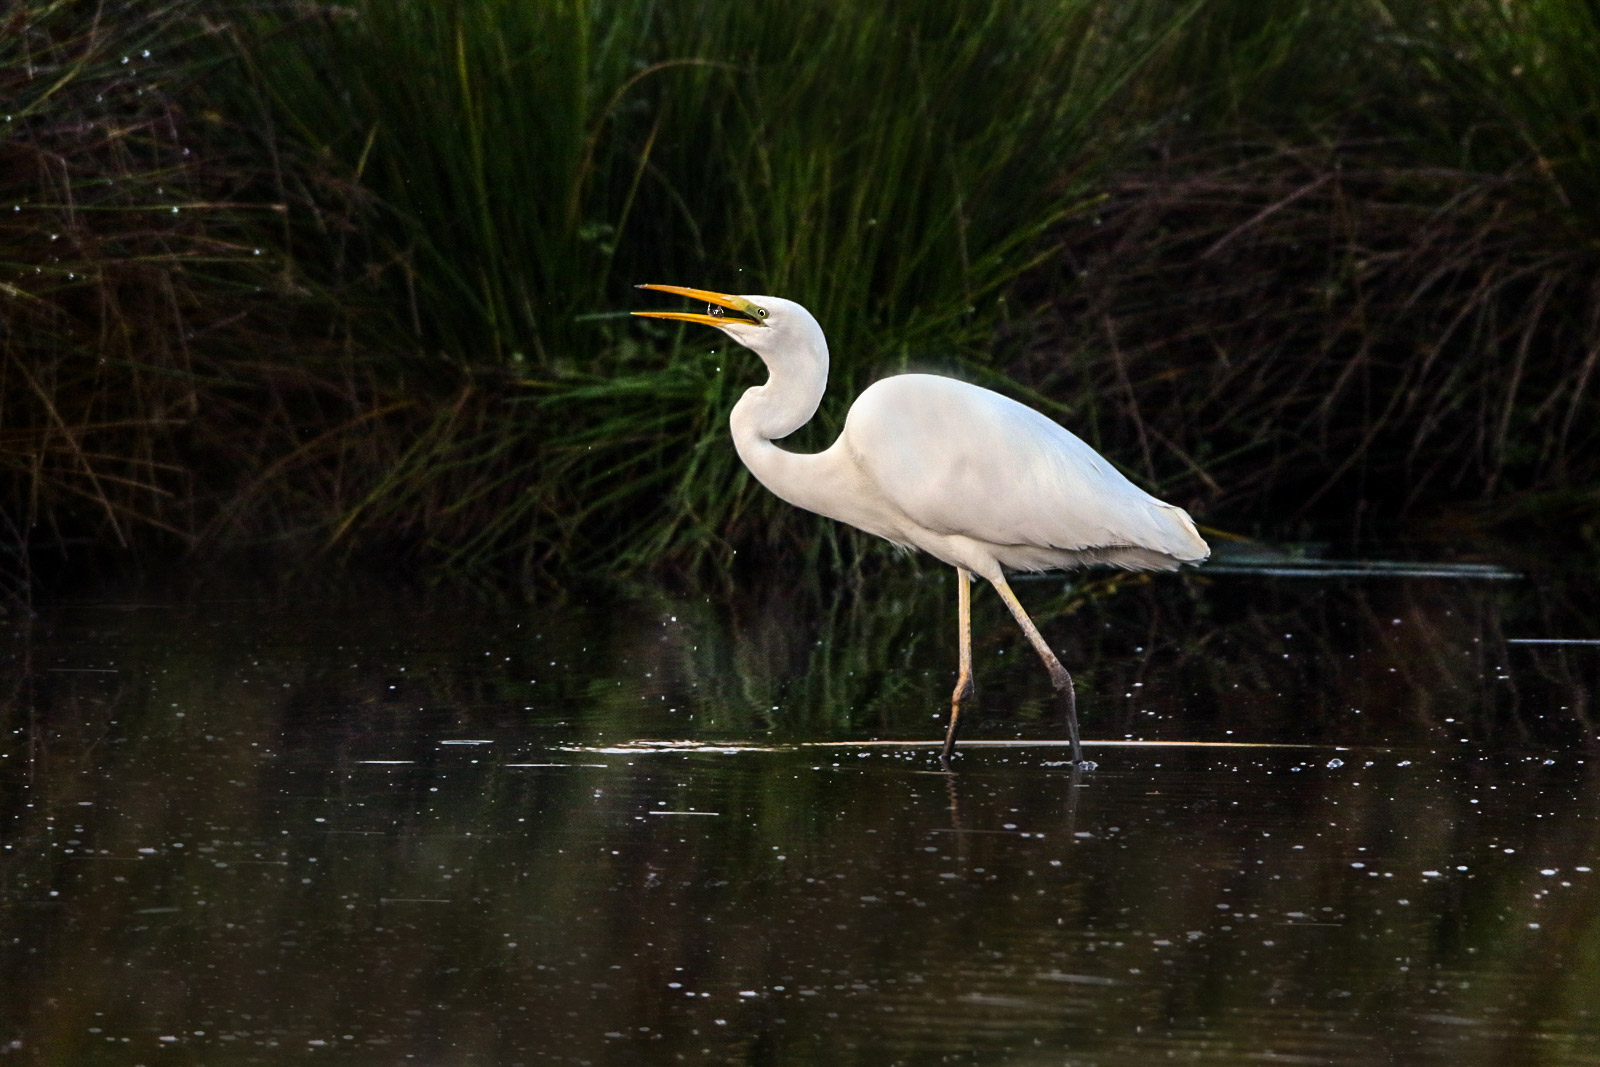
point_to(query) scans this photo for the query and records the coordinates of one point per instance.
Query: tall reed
(104, 231)
(1358, 297)
(1294, 259)
(892, 166)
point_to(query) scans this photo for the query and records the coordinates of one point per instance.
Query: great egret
(966, 475)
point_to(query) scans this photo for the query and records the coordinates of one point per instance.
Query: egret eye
(761, 313)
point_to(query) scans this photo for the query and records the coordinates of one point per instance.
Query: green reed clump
(1283, 259)
(892, 166)
(1278, 283)
(889, 163)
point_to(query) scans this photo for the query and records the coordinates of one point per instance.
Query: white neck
(795, 384)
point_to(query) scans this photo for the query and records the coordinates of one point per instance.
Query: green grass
(1280, 260)
(895, 167)
(892, 163)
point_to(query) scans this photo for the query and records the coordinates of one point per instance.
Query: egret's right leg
(964, 687)
(1058, 674)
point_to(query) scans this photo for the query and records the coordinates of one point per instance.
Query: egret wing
(955, 458)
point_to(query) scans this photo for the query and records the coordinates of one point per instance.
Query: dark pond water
(635, 827)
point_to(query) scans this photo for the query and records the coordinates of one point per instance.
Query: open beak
(744, 311)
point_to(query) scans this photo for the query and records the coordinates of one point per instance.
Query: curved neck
(786, 402)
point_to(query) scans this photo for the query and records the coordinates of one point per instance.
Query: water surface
(641, 827)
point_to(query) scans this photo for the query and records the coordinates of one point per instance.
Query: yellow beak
(753, 314)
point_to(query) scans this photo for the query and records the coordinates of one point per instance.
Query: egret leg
(1058, 674)
(964, 687)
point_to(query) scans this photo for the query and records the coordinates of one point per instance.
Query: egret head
(770, 326)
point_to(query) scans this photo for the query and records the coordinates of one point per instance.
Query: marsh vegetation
(1328, 264)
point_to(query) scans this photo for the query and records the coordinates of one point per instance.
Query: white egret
(966, 475)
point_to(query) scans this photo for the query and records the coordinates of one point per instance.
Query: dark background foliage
(1321, 266)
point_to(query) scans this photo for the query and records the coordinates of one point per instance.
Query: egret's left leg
(964, 688)
(1058, 674)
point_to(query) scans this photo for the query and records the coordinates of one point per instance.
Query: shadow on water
(652, 827)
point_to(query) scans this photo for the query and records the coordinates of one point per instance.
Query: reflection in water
(233, 832)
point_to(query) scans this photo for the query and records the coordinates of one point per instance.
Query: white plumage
(1026, 491)
(971, 477)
